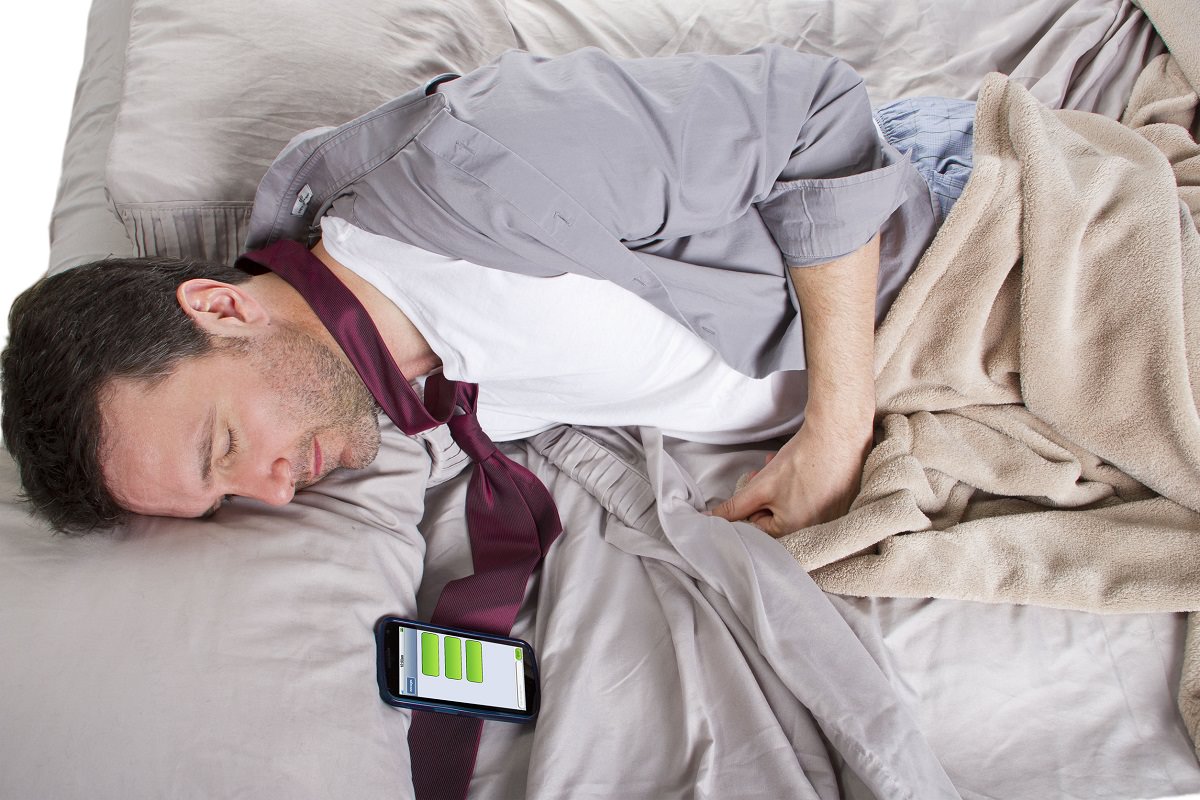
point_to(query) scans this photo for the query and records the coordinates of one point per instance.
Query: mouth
(316, 460)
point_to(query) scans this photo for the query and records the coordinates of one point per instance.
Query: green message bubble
(429, 654)
(453, 658)
(474, 661)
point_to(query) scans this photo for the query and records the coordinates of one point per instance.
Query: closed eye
(233, 444)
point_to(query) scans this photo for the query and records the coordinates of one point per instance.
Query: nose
(275, 485)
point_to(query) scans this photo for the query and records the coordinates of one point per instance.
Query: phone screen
(457, 668)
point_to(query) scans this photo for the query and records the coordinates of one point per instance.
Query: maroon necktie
(511, 518)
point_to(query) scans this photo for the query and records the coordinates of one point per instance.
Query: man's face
(262, 422)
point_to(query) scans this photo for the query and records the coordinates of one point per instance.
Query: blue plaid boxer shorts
(938, 134)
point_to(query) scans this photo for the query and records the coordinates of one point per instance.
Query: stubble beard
(325, 394)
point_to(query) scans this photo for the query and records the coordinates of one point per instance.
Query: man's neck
(407, 345)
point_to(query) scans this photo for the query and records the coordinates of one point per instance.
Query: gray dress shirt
(693, 181)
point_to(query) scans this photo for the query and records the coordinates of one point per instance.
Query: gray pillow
(229, 657)
(213, 90)
(83, 227)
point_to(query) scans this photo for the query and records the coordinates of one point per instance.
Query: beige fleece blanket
(1038, 377)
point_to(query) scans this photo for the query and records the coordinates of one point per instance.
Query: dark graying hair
(70, 334)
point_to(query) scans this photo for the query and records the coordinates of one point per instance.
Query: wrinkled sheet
(678, 651)
(682, 656)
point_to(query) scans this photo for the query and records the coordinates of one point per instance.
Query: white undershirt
(567, 349)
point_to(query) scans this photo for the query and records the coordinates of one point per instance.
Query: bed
(681, 656)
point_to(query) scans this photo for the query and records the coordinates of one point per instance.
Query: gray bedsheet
(686, 657)
(683, 656)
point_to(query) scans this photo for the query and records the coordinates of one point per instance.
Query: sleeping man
(702, 244)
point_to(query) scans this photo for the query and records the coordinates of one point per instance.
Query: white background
(41, 50)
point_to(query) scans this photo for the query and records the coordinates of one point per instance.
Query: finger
(774, 526)
(744, 503)
(770, 458)
(771, 524)
(764, 521)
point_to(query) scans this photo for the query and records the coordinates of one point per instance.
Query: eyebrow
(205, 446)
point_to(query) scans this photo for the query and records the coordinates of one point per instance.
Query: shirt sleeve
(661, 148)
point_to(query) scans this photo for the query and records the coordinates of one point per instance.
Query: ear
(221, 309)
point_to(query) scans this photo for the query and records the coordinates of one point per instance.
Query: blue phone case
(445, 707)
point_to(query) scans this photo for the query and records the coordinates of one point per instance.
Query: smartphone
(435, 668)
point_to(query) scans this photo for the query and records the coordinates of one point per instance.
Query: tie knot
(470, 436)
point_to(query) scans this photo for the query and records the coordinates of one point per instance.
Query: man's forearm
(816, 474)
(837, 304)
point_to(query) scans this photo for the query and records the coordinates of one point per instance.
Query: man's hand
(812, 479)
(816, 475)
